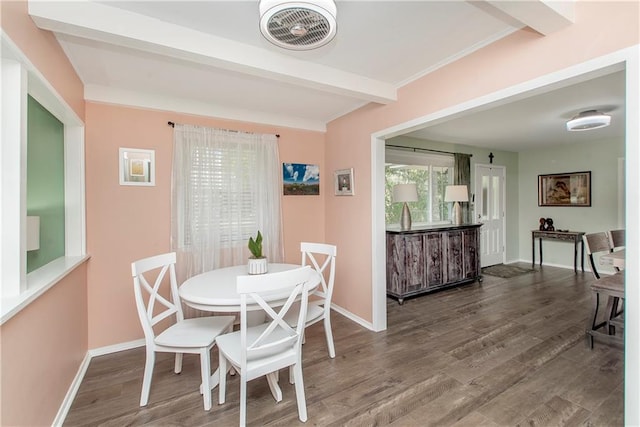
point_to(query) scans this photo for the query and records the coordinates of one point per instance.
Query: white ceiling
(209, 58)
(539, 120)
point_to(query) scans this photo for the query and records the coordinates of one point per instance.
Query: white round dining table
(216, 290)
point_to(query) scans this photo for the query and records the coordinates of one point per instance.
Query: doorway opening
(623, 60)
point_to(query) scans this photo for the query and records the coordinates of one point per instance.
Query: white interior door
(489, 210)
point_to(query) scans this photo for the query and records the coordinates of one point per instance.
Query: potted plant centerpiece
(257, 261)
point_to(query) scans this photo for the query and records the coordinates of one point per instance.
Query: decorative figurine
(546, 224)
(549, 225)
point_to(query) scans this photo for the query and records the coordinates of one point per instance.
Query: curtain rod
(414, 149)
(172, 124)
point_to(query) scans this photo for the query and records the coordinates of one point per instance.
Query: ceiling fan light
(588, 120)
(298, 25)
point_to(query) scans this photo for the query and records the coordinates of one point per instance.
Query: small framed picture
(300, 179)
(344, 182)
(137, 167)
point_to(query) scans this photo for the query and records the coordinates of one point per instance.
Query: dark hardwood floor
(506, 352)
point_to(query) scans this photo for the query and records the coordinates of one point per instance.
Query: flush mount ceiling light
(298, 25)
(588, 120)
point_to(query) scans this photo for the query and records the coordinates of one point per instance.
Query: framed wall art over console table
(427, 259)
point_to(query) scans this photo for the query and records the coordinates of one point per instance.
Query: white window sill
(38, 282)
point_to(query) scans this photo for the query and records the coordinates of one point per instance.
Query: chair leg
(300, 397)
(178, 364)
(291, 377)
(146, 379)
(594, 317)
(329, 335)
(272, 380)
(589, 338)
(222, 384)
(609, 311)
(205, 372)
(243, 401)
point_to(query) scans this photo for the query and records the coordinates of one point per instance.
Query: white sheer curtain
(225, 187)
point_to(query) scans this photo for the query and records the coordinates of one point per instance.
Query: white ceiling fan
(298, 25)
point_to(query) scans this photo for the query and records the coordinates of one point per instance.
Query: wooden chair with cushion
(600, 243)
(616, 239)
(256, 351)
(596, 243)
(184, 335)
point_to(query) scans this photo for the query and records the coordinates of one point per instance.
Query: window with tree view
(430, 172)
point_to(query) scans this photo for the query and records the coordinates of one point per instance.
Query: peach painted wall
(43, 346)
(43, 50)
(42, 349)
(125, 223)
(600, 28)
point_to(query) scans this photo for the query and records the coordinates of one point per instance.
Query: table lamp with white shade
(403, 193)
(456, 194)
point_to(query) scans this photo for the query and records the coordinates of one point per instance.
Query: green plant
(255, 246)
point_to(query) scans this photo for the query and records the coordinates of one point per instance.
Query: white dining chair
(322, 257)
(256, 351)
(184, 335)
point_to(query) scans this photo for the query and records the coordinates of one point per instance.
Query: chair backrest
(263, 290)
(616, 238)
(152, 306)
(594, 243)
(326, 270)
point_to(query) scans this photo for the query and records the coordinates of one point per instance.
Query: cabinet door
(433, 256)
(470, 256)
(395, 264)
(414, 262)
(454, 251)
(405, 264)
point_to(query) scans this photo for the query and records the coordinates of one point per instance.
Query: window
(221, 177)
(430, 172)
(227, 187)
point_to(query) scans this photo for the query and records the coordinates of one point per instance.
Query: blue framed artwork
(299, 179)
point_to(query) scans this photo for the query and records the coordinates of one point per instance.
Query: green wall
(601, 158)
(45, 182)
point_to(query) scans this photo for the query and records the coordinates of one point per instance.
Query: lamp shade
(405, 193)
(456, 193)
(33, 233)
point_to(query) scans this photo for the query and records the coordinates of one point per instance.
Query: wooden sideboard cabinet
(427, 259)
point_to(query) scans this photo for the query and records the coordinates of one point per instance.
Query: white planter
(257, 266)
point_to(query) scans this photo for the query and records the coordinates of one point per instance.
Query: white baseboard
(71, 393)
(353, 317)
(567, 267)
(101, 351)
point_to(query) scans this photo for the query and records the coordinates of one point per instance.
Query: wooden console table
(567, 236)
